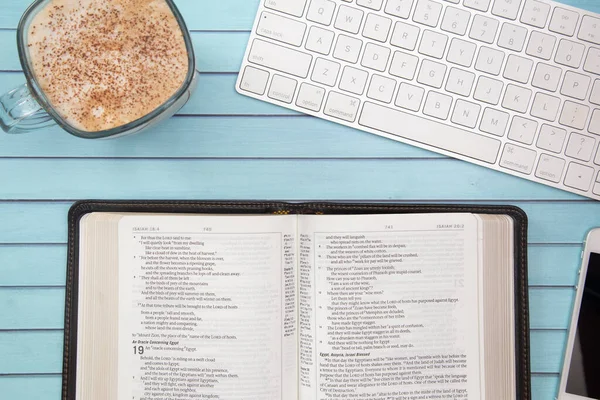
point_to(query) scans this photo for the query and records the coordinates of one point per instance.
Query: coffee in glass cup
(100, 68)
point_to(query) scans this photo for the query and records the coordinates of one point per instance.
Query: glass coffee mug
(27, 108)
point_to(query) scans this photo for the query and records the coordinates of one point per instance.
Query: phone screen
(585, 360)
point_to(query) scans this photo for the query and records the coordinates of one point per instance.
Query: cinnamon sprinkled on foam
(105, 63)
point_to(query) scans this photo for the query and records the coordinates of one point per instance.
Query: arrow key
(579, 177)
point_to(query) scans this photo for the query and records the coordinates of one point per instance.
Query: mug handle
(20, 113)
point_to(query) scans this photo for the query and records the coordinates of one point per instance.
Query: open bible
(296, 302)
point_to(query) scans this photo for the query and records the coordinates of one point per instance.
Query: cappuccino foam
(105, 63)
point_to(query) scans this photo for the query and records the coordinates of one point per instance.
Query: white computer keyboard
(513, 85)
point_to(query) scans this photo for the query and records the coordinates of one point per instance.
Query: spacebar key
(431, 133)
(280, 58)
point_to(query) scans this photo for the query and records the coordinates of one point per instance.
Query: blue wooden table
(225, 146)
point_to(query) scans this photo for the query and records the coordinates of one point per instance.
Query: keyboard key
(551, 139)
(506, 8)
(545, 107)
(353, 80)
(291, 7)
(595, 123)
(376, 57)
(342, 107)
(494, 122)
(282, 88)
(547, 77)
(325, 72)
(597, 162)
(433, 44)
(595, 96)
(535, 13)
(381, 88)
(489, 60)
(377, 27)
(319, 40)
(254, 80)
(349, 19)
(437, 105)
(281, 29)
(590, 29)
(564, 21)
(466, 114)
(488, 90)
(518, 69)
(310, 97)
(404, 65)
(517, 98)
(280, 58)
(461, 52)
(596, 188)
(456, 20)
(541, 45)
(399, 8)
(569, 53)
(592, 61)
(460, 82)
(484, 29)
(410, 97)
(512, 37)
(575, 85)
(321, 11)
(454, 140)
(550, 168)
(522, 130)
(579, 176)
(405, 36)
(580, 147)
(372, 4)
(574, 115)
(432, 74)
(427, 13)
(479, 5)
(518, 159)
(347, 49)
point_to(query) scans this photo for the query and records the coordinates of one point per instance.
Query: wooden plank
(224, 57)
(250, 179)
(219, 137)
(37, 352)
(44, 265)
(215, 95)
(40, 352)
(217, 15)
(49, 387)
(31, 387)
(544, 387)
(42, 308)
(33, 265)
(33, 222)
(550, 222)
(554, 264)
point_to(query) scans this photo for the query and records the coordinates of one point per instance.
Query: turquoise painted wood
(225, 146)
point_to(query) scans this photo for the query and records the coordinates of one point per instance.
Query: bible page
(392, 308)
(207, 307)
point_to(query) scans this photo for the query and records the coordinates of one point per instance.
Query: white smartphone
(580, 378)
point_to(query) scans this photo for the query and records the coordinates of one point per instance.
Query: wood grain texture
(226, 146)
(551, 222)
